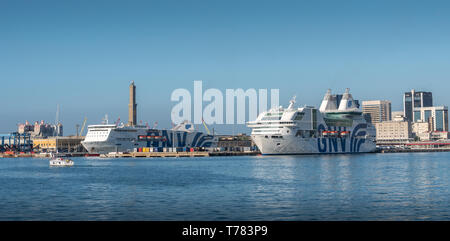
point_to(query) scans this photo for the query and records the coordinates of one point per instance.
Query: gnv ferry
(105, 138)
(338, 126)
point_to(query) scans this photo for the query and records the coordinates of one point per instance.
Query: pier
(155, 154)
(179, 154)
(415, 150)
(137, 154)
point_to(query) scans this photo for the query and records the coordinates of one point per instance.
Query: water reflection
(275, 188)
(291, 182)
(274, 168)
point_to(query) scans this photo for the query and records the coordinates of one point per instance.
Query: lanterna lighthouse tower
(132, 106)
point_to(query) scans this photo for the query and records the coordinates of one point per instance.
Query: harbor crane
(206, 127)
(82, 127)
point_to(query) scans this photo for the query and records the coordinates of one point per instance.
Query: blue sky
(83, 54)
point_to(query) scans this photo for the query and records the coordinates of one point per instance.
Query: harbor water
(390, 186)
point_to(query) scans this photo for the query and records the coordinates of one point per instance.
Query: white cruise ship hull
(290, 145)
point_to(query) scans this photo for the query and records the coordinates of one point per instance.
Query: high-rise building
(436, 116)
(378, 110)
(415, 99)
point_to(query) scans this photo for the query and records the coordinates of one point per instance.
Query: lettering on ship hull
(345, 144)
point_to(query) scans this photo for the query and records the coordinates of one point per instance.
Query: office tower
(415, 99)
(378, 110)
(436, 116)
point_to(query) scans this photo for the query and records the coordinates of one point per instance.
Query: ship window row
(266, 131)
(268, 127)
(121, 130)
(272, 118)
(97, 135)
(274, 137)
(275, 123)
(274, 114)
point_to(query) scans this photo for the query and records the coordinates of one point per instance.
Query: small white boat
(59, 161)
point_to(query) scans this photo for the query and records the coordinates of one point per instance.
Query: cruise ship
(105, 138)
(338, 126)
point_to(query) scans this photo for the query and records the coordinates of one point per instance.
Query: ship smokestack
(132, 105)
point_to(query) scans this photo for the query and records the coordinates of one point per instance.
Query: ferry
(338, 126)
(118, 137)
(106, 138)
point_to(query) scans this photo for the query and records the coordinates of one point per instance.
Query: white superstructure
(338, 126)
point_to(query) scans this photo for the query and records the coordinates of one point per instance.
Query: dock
(156, 154)
(13, 155)
(415, 150)
(138, 154)
(178, 154)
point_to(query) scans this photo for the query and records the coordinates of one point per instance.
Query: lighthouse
(132, 113)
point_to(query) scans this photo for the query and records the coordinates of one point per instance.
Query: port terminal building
(240, 142)
(59, 143)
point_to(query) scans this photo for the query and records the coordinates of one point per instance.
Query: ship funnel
(328, 102)
(347, 101)
(132, 113)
